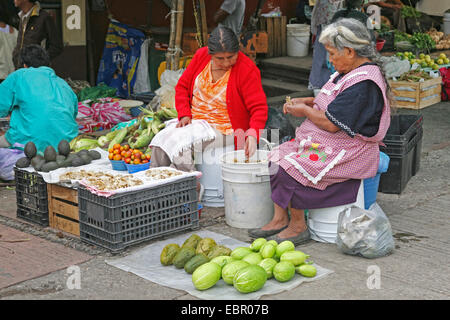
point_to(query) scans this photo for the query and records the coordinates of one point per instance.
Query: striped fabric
(317, 158)
(209, 100)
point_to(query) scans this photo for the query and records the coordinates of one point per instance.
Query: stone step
(288, 69)
(274, 87)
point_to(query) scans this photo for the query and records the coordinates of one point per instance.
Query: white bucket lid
(298, 26)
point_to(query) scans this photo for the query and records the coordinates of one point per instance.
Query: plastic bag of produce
(366, 233)
(8, 159)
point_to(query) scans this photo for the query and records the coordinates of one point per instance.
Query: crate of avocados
(63, 209)
(31, 197)
(416, 95)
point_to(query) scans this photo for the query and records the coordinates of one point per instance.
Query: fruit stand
(102, 190)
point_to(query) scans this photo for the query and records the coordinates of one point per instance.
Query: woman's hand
(295, 109)
(250, 146)
(309, 101)
(184, 122)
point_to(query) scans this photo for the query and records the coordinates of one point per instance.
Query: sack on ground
(8, 159)
(366, 233)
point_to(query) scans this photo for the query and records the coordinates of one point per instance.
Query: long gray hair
(351, 33)
(223, 39)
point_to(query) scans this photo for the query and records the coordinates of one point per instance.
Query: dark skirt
(286, 189)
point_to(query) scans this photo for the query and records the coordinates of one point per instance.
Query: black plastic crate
(403, 165)
(403, 128)
(417, 154)
(31, 197)
(129, 218)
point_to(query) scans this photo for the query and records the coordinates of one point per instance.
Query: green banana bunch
(85, 144)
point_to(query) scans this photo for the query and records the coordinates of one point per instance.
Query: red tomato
(137, 161)
(128, 160)
(145, 161)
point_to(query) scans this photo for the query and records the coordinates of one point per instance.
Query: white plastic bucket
(247, 192)
(297, 37)
(211, 179)
(323, 223)
(447, 23)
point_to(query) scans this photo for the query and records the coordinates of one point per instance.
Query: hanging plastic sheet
(118, 67)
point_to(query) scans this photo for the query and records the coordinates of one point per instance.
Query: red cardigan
(246, 100)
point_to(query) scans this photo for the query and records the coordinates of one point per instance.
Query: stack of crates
(125, 219)
(31, 196)
(403, 146)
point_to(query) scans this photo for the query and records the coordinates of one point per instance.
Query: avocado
(77, 161)
(86, 158)
(81, 152)
(95, 155)
(49, 166)
(23, 163)
(60, 159)
(38, 158)
(50, 154)
(38, 164)
(64, 148)
(30, 150)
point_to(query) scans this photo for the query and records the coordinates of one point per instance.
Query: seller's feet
(292, 231)
(273, 227)
(295, 234)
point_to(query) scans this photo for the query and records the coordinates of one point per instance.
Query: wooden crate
(416, 95)
(276, 32)
(63, 209)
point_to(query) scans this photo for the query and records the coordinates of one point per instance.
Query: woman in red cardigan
(222, 86)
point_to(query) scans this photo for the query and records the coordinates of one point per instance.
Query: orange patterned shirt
(209, 100)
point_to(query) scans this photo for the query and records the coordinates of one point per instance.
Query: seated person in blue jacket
(42, 107)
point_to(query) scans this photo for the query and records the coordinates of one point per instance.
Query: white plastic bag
(166, 94)
(366, 233)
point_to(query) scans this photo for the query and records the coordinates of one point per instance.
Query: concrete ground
(418, 268)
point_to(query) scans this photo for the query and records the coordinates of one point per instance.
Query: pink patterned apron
(318, 158)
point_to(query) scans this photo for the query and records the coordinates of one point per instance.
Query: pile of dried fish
(103, 181)
(159, 174)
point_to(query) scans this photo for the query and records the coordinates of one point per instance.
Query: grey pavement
(418, 268)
